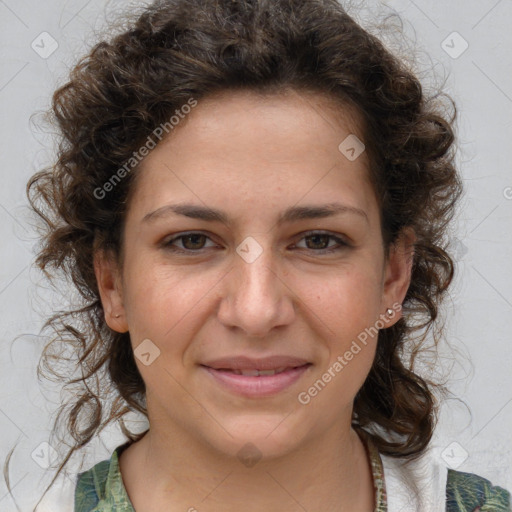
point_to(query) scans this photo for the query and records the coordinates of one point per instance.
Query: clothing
(101, 488)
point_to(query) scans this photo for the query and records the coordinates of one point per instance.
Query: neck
(170, 468)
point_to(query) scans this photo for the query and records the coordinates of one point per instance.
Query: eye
(194, 242)
(190, 242)
(320, 242)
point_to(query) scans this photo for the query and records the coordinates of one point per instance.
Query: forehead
(252, 118)
(281, 146)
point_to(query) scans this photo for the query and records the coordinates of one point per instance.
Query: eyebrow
(291, 214)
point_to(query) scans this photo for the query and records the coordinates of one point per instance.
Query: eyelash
(340, 241)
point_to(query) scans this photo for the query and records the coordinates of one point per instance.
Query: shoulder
(100, 488)
(426, 484)
(90, 487)
(468, 491)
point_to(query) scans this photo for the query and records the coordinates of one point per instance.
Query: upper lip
(247, 363)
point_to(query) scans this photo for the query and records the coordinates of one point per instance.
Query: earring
(389, 311)
(117, 316)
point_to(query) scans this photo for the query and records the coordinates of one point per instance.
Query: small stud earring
(389, 311)
(117, 316)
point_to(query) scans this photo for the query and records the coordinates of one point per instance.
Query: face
(273, 261)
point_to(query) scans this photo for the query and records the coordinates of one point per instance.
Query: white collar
(417, 485)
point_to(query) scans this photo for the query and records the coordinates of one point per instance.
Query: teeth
(257, 373)
(267, 372)
(251, 373)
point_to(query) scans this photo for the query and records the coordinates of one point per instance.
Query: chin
(255, 438)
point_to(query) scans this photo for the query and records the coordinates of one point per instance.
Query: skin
(252, 156)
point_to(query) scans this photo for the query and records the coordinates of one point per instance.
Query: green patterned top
(101, 488)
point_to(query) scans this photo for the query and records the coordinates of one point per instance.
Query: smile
(254, 373)
(256, 383)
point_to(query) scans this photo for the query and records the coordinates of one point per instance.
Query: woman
(252, 199)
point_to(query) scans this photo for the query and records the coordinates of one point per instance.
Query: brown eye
(193, 241)
(190, 242)
(319, 243)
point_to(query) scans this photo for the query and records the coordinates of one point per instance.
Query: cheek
(159, 301)
(164, 307)
(345, 307)
(346, 300)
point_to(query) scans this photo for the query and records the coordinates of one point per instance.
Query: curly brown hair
(182, 49)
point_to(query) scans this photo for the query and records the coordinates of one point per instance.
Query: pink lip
(258, 386)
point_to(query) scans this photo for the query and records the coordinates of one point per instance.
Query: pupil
(316, 237)
(190, 237)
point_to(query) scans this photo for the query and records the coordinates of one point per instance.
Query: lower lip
(261, 386)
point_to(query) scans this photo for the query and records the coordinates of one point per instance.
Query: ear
(397, 274)
(109, 286)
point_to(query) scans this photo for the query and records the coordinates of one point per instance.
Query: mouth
(255, 373)
(257, 378)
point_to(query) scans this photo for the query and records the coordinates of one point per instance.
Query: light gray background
(478, 316)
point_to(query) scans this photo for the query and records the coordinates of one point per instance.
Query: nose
(256, 296)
